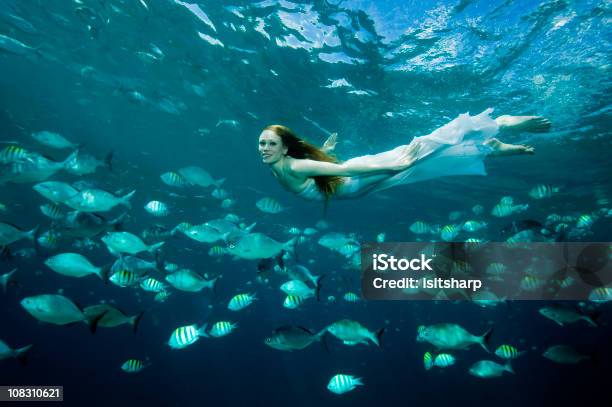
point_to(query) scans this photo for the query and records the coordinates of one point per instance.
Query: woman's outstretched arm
(312, 168)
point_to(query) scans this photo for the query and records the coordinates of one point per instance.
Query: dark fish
(290, 338)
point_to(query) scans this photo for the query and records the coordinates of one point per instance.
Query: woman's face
(271, 147)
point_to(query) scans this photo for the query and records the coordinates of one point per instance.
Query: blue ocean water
(167, 84)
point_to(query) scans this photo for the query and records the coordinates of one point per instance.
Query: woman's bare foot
(500, 148)
(531, 124)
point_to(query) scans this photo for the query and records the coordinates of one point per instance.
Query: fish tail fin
(213, 285)
(290, 245)
(21, 354)
(159, 263)
(318, 291)
(202, 331)
(592, 318)
(33, 234)
(378, 337)
(357, 381)
(93, 322)
(508, 367)
(250, 227)
(108, 160)
(104, 272)
(7, 279)
(125, 200)
(485, 338)
(322, 336)
(71, 157)
(117, 223)
(155, 247)
(219, 182)
(317, 280)
(135, 321)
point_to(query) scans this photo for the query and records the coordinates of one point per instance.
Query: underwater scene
(186, 189)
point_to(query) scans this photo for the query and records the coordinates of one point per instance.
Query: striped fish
(269, 205)
(123, 278)
(531, 283)
(184, 336)
(133, 365)
(351, 297)
(428, 360)
(170, 267)
(152, 285)
(162, 296)
(294, 231)
(501, 210)
(216, 251)
(241, 301)
(508, 352)
(420, 228)
(449, 232)
(601, 294)
(584, 221)
(157, 208)
(349, 249)
(222, 328)
(444, 360)
(52, 211)
(543, 191)
(342, 383)
(293, 301)
(13, 154)
(174, 179)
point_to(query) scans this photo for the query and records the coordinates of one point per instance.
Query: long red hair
(298, 148)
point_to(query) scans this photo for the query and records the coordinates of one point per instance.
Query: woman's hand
(408, 157)
(330, 143)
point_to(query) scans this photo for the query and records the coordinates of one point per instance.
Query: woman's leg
(499, 148)
(530, 124)
(515, 124)
(354, 187)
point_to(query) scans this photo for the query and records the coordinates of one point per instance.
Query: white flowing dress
(454, 149)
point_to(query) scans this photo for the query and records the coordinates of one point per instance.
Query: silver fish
(82, 163)
(10, 233)
(125, 242)
(57, 309)
(97, 200)
(187, 280)
(52, 140)
(56, 191)
(20, 354)
(198, 176)
(259, 246)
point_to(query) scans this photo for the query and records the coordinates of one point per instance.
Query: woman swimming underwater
(457, 148)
